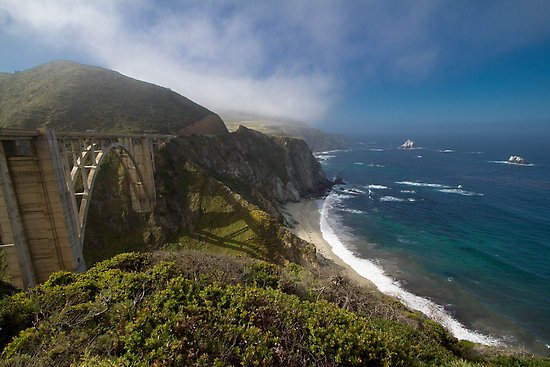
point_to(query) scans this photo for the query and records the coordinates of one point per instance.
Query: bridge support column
(12, 234)
(46, 184)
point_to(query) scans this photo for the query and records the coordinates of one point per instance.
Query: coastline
(308, 224)
(306, 217)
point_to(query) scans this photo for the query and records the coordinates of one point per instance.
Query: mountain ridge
(64, 95)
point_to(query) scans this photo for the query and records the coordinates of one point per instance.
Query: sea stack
(408, 144)
(516, 160)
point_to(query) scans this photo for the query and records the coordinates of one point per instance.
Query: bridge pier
(46, 187)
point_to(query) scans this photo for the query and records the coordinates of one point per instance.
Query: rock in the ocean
(409, 144)
(516, 160)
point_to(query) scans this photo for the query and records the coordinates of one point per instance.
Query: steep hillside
(68, 96)
(317, 140)
(219, 193)
(195, 309)
(266, 170)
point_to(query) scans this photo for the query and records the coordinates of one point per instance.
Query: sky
(338, 65)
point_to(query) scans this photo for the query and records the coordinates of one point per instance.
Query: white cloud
(280, 59)
(218, 60)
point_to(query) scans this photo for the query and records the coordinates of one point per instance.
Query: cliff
(216, 192)
(63, 95)
(266, 170)
(317, 140)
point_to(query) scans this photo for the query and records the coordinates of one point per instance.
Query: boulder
(408, 144)
(516, 160)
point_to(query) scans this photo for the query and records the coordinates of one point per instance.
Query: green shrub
(135, 310)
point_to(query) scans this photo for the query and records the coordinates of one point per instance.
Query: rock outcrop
(516, 160)
(408, 144)
(210, 125)
(266, 170)
(317, 140)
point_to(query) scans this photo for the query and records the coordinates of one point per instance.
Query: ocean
(450, 228)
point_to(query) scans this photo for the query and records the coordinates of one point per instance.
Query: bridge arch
(141, 201)
(45, 193)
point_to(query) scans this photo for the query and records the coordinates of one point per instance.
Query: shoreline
(308, 224)
(306, 218)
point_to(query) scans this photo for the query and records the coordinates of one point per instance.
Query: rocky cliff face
(317, 140)
(222, 192)
(268, 171)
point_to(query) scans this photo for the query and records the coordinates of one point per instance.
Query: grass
(69, 96)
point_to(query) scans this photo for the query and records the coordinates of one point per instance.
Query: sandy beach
(305, 217)
(306, 225)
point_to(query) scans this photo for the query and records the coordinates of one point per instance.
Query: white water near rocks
(369, 270)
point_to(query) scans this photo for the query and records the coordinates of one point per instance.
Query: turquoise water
(453, 223)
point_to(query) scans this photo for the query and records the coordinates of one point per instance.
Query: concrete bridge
(47, 180)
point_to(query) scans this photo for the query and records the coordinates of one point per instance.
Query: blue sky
(340, 65)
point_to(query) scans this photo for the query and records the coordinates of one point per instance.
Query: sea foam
(422, 184)
(377, 187)
(391, 199)
(387, 285)
(513, 164)
(460, 192)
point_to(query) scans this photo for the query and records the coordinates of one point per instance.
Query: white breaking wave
(376, 150)
(446, 151)
(333, 151)
(513, 164)
(392, 199)
(353, 211)
(387, 285)
(408, 191)
(324, 157)
(423, 184)
(359, 163)
(377, 187)
(460, 192)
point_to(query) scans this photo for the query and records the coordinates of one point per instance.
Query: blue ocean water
(454, 224)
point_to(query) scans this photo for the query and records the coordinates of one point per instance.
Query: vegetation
(198, 309)
(68, 96)
(316, 139)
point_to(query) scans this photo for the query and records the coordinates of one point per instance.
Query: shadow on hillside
(228, 243)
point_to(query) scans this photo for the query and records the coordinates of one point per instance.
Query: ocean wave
(376, 150)
(358, 163)
(324, 157)
(387, 285)
(423, 184)
(460, 192)
(446, 151)
(332, 151)
(344, 195)
(376, 165)
(353, 211)
(513, 164)
(377, 187)
(391, 199)
(407, 191)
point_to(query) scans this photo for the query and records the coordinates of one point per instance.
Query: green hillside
(317, 140)
(73, 97)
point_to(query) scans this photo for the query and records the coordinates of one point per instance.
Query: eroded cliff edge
(217, 192)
